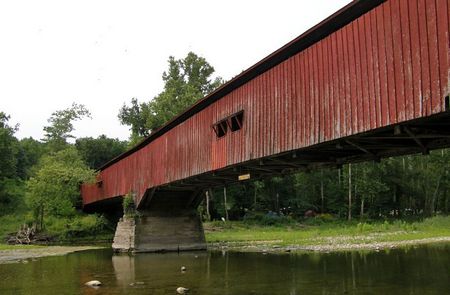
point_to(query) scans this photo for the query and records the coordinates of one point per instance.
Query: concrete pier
(168, 222)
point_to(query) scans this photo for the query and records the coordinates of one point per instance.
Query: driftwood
(25, 235)
(28, 235)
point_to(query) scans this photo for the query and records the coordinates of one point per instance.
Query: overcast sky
(103, 53)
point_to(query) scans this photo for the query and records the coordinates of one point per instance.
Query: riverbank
(327, 237)
(23, 253)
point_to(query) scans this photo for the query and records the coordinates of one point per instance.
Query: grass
(81, 229)
(16, 247)
(332, 232)
(10, 224)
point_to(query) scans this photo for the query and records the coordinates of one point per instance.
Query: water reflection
(424, 270)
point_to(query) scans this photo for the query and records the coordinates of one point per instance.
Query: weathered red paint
(387, 66)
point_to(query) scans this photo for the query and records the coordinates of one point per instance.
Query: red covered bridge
(370, 81)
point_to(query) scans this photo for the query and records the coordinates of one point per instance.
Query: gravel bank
(22, 255)
(332, 246)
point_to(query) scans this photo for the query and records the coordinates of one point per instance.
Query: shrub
(78, 226)
(128, 205)
(268, 219)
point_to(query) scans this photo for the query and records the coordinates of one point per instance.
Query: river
(416, 270)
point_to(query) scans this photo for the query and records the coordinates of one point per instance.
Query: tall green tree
(29, 153)
(8, 163)
(61, 125)
(98, 151)
(186, 81)
(54, 189)
(8, 148)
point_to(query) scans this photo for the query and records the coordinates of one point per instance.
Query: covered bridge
(370, 81)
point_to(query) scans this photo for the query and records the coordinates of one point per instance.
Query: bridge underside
(419, 136)
(168, 218)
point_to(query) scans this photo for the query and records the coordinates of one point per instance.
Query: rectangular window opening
(236, 121)
(233, 122)
(447, 103)
(221, 129)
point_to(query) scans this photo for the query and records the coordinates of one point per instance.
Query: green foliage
(185, 81)
(10, 223)
(11, 195)
(54, 189)
(8, 148)
(30, 151)
(396, 187)
(61, 125)
(66, 228)
(267, 219)
(97, 151)
(128, 205)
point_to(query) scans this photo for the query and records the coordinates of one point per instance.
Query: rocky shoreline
(272, 247)
(24, 255)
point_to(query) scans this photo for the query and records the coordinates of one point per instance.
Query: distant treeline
(396, 187)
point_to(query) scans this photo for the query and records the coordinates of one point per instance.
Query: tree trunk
(254, 196)
(322, 209)
(361, 212)
(349, 192)
(434, 197)
(277, 203)
(339, 177)
(42, 218)
(208, 215)
(225, 202)
(446, 202)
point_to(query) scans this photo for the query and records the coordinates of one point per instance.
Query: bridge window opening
(221, 128)
(233, 122)
(236, 121)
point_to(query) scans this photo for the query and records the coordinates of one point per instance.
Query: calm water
(424, 270)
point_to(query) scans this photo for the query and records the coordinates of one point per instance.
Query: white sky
(103, 53)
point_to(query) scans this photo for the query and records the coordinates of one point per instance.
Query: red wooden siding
(388, 66)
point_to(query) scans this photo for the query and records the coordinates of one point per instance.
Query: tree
(61, 125)
(185, 81)
(29, 153)
(54, 189)
(8, 148)
(97, 151)
(8, 163)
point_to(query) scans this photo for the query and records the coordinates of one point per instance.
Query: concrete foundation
(153, 232)
(156, 232)
(166, 221)
(124, 240)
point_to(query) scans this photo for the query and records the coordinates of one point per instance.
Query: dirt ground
(21, 255)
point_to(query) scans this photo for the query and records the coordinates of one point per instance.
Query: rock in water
(182, 290)
(94, 283)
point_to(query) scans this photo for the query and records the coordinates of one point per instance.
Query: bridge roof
(331, 24)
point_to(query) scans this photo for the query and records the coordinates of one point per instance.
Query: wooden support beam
(359, 147)
(290, 164)
(193, 196)
(148, 197)
(424, 149)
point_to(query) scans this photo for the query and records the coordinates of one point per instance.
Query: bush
(78, 226)
(437, 221)
(365, 227)
(267, 219)
(128, 205)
